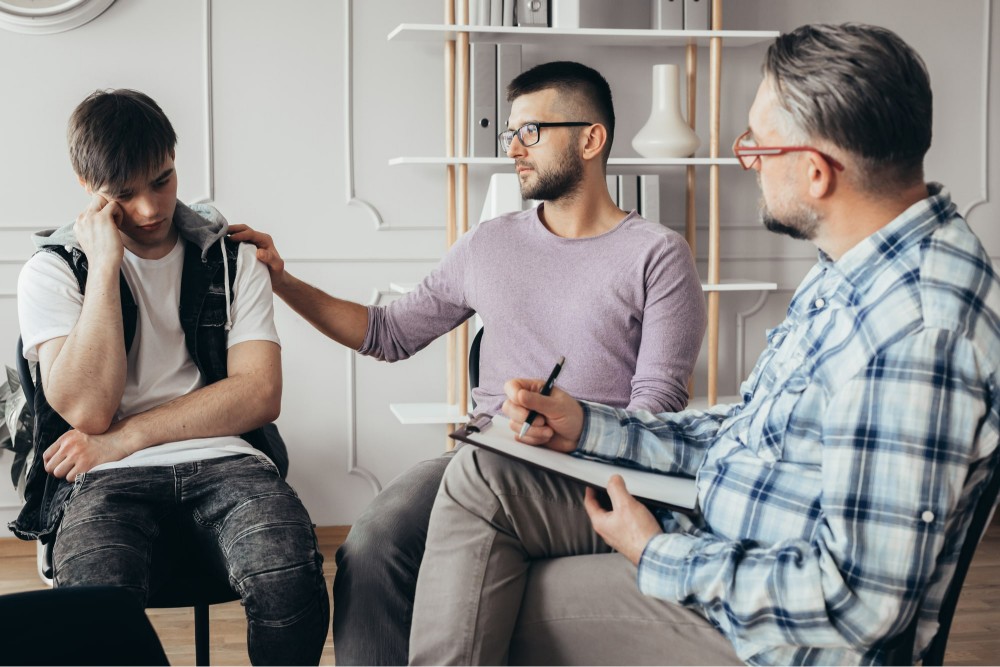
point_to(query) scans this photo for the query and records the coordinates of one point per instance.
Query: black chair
(189, 584)
(901, 652)
(93, 625)
(477, 342)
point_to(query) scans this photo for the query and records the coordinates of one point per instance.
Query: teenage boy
(159, 372)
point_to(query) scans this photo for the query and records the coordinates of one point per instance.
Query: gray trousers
(377, 569)
(514, 573)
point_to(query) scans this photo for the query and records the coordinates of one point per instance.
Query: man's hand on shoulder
(266, 252)
(97, 232)
(76, 452)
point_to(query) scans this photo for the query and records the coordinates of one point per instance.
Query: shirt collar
(847, 278)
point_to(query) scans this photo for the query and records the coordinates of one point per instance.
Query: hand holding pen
(563, 414)
(546, 390)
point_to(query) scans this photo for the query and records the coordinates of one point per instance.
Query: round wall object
(49, 16)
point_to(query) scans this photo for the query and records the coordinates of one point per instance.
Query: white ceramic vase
(666, 133)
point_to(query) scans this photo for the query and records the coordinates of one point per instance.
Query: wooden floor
(974, 639)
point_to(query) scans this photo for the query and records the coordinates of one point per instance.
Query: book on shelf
(502, 196)
(483, 107)
(508, 67)
(620, 14)
(481, 12)
(628, 192)
(649, 197)
(671, 492)
(668, 15)
(697, 14)
(612, 181)
(532, 13)
(508, 12)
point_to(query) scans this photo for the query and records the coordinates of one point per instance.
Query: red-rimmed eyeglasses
(748, 153)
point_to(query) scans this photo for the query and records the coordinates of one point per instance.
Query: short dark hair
(581, 86)
(862, 88)
(117, 136)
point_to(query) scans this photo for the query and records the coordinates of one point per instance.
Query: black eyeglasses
(530, 133)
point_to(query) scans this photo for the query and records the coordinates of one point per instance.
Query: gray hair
(863, 89)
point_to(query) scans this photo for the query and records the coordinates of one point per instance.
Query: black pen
(546, 390)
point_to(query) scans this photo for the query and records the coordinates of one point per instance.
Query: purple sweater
(625, 308)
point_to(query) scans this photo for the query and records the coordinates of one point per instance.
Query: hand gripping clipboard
(659, 490)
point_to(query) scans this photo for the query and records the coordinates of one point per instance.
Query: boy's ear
(86, 187)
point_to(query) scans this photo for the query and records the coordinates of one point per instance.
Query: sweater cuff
(369, 340)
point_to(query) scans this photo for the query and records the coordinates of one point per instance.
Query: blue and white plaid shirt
(834, 498)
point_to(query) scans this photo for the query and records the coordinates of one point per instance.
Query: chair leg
(201, 638)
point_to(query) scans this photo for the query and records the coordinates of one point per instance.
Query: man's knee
(388, 534)
(476, 472)
(282, 597)
(267, 532)
(393, 528)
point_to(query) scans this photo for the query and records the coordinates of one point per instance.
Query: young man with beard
(159, 372)
(834, 499)
(624, 306)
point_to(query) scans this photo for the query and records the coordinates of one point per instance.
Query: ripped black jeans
(239, 514)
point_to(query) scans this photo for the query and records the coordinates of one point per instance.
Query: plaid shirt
(834, 498)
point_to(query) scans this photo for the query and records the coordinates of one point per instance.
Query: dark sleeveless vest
(203, 320)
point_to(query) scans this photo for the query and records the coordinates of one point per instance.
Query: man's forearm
(228, 407)
(343, 321)
(86, 379)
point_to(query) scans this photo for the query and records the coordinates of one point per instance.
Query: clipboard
(671, 492)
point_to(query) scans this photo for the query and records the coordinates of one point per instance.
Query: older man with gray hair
(833, 500)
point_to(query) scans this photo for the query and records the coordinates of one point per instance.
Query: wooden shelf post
(456, 79)
(464, 111)
(450, 212)
(691, 219)
(714, 94)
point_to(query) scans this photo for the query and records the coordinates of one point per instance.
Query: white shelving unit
(456, 39)
(555, 37)
(429, 413)
(616, 165)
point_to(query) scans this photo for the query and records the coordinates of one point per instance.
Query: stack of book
(624, 14)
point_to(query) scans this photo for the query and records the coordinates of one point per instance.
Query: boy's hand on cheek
(97, 232)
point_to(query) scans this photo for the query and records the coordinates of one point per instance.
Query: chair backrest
(474, 359)
(902, 652)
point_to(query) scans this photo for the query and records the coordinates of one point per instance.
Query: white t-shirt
(159, 366)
